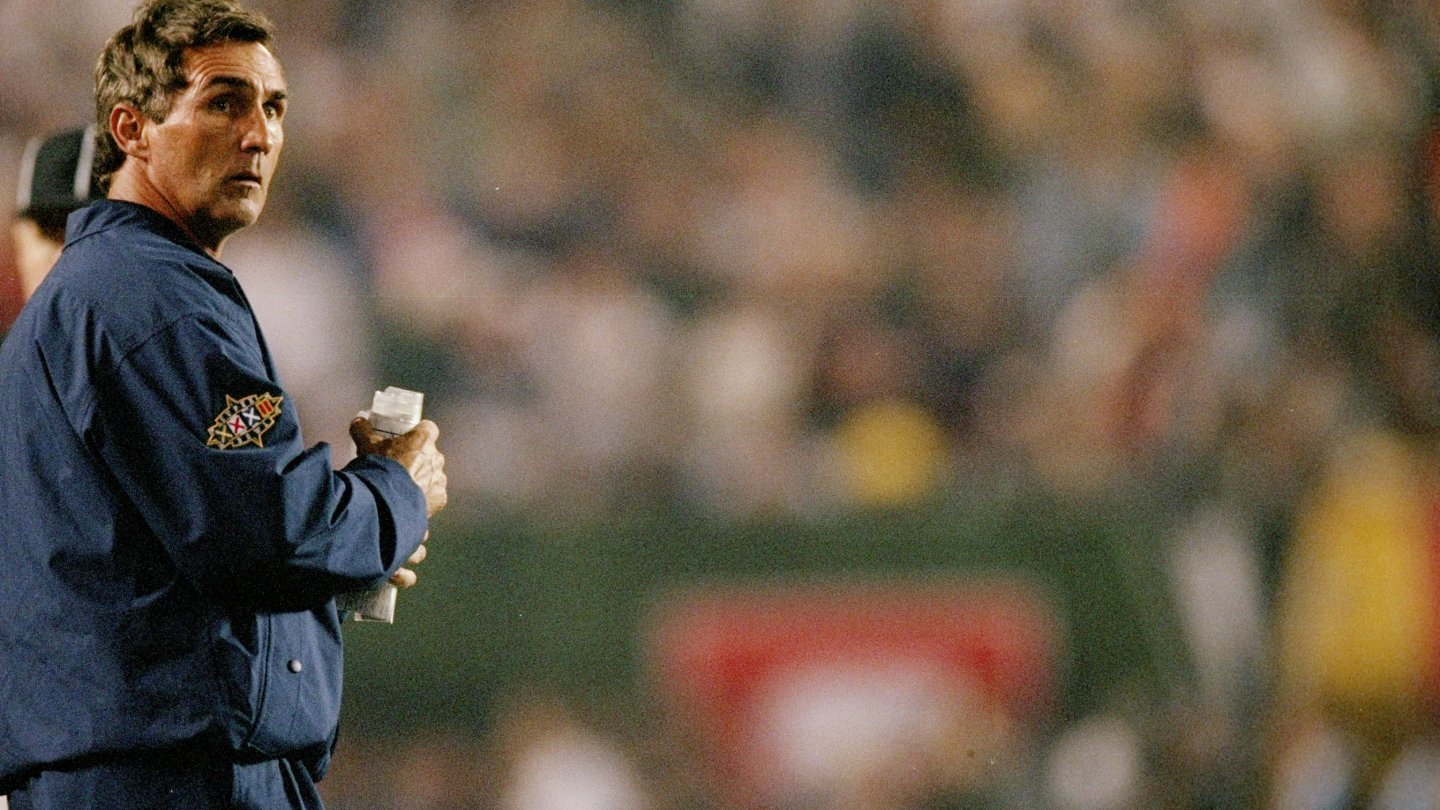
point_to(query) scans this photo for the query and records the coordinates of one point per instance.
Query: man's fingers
(404, 577)
(363, 435)
(421, 436)
(416, 450)
(428, 429)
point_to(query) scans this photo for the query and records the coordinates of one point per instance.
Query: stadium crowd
(804, 258)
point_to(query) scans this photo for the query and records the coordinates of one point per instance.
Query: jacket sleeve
(206, 447)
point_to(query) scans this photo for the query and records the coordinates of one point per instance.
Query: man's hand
(416, 450)
(425, 463)
(404, 577)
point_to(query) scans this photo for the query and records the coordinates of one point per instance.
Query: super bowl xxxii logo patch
(244, 421)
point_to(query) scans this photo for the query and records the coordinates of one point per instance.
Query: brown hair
(141, 64)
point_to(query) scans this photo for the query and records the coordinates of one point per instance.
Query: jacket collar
(102, 215)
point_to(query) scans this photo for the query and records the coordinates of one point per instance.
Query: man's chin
(242, 213)
(226, 220)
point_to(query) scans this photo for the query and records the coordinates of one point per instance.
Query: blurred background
(867, 404)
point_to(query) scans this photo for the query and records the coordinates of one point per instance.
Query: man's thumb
(362, 434)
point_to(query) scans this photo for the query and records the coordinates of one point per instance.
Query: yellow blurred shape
(891, 453)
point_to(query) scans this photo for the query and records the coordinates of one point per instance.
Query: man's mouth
(245, 177)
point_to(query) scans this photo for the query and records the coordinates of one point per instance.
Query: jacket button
(295, 665)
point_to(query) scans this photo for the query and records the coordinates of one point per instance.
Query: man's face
(214, 154)
(34, 253)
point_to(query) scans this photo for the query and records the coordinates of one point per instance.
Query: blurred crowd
(799, 258)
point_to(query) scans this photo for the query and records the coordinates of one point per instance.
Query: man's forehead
(229, 62)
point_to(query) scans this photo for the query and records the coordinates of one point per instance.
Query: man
(170, 549)
(55, 179)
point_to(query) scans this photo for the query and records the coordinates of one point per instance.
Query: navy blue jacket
(169, 549)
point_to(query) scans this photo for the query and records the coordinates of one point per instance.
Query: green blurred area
(507, 603)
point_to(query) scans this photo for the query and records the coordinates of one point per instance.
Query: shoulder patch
(244, 421)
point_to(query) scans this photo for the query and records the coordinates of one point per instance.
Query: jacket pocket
(298, 706)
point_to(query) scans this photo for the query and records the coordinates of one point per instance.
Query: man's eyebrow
(237, 83)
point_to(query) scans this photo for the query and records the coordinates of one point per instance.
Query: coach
(169, 549)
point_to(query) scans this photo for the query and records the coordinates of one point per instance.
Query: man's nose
(261, 133)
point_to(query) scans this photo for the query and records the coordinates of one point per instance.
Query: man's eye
(273, 110)
(221, 104)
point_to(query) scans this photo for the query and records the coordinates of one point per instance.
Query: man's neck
(130, 185)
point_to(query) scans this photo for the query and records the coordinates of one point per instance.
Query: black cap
(55, 172)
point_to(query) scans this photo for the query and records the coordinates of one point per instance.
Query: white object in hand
(393, 411)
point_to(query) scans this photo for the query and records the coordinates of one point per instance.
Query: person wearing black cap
(55, 179)
(171, 548)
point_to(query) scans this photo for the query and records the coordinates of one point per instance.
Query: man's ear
(127, 128)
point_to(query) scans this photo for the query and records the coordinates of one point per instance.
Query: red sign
(790, 687)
